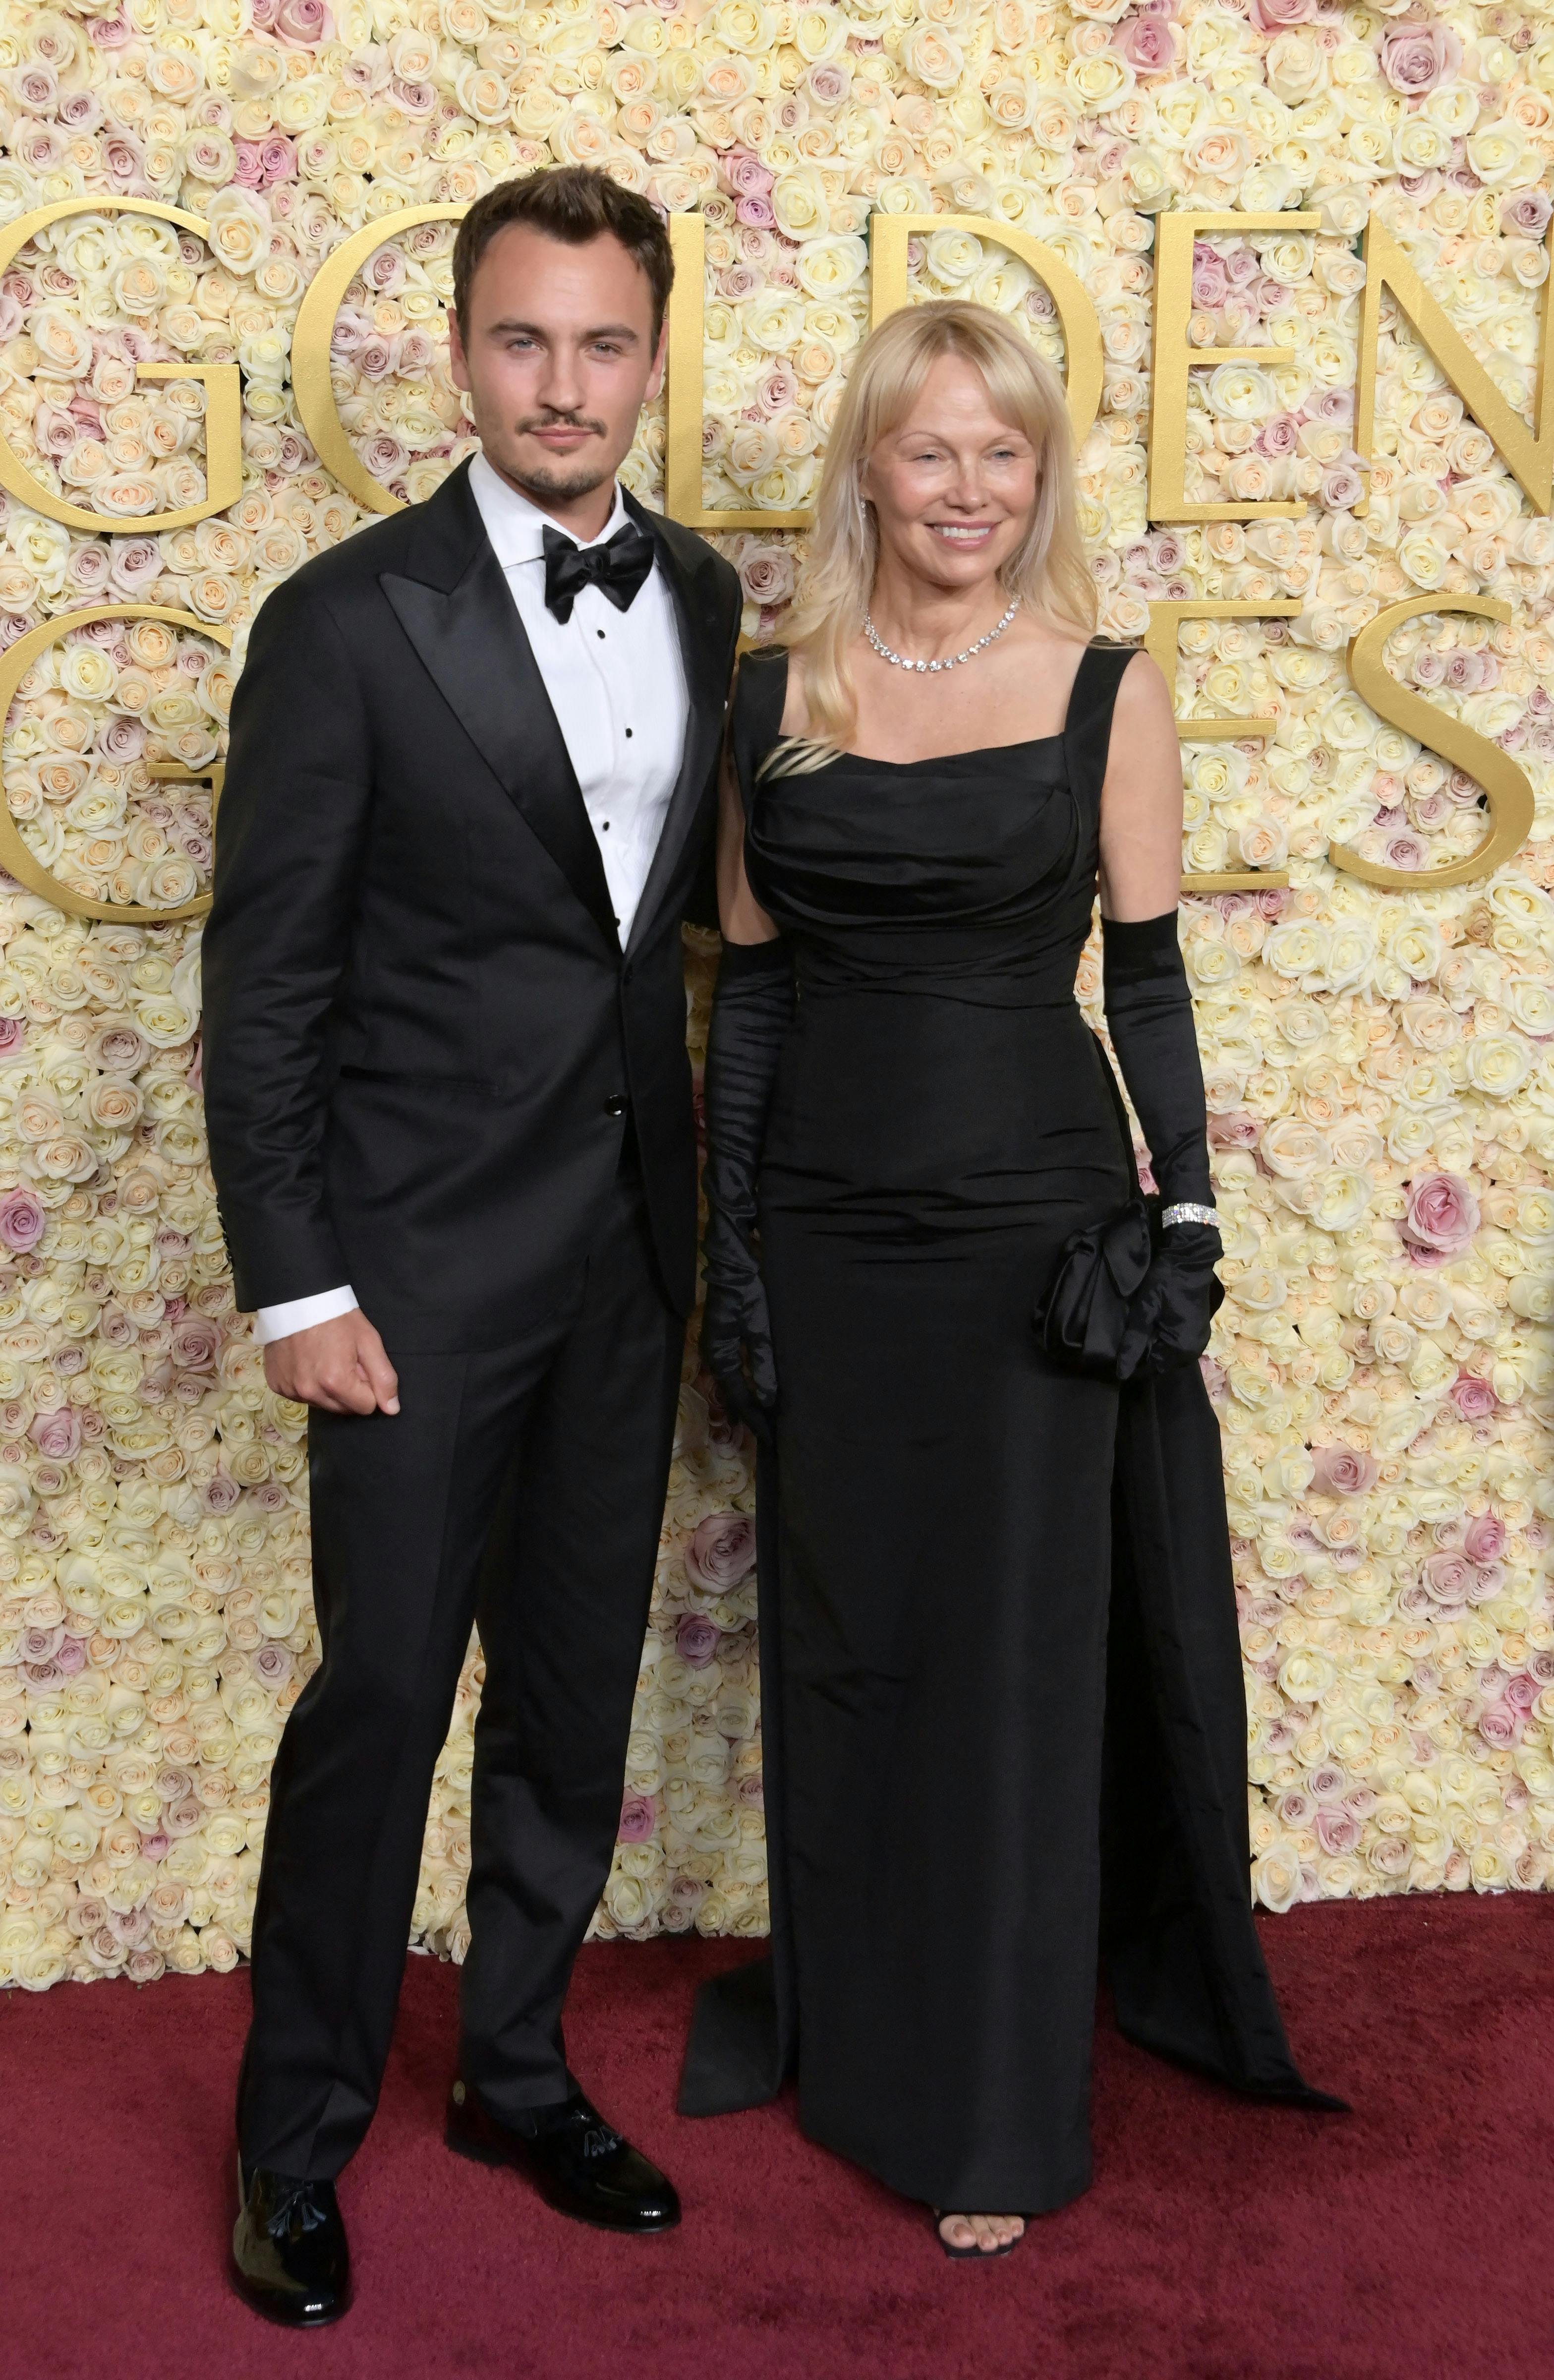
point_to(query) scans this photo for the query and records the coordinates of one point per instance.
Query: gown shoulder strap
(1088, 728)
(761, 689)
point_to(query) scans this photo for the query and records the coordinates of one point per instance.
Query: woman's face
(952, 486)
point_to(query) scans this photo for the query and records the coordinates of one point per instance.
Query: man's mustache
(553, 421)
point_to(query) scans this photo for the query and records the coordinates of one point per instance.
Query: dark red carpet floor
(1222, 2241)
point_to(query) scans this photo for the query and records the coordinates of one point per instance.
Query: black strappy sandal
(938, 2215)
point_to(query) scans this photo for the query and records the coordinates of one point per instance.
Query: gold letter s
(1508, 791)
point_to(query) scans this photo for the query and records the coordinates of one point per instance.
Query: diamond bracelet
(1188, 1213)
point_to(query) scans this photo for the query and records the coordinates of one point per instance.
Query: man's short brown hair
(573, 203)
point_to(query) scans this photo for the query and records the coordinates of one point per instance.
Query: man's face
(558, 357)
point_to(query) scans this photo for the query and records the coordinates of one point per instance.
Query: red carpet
(1220, 2241)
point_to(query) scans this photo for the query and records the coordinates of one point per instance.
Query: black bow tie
(617, 569)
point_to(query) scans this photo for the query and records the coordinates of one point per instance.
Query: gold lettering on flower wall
(224, 400)
(15, 856)
(1526, 451)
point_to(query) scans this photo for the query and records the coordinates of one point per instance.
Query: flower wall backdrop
(1380, 1066)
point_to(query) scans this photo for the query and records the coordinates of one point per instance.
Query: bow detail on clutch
(1127, 1300)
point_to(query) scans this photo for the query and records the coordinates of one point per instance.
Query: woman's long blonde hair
(1048, 570)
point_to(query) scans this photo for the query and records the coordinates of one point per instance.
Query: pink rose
(1523, 211)
(1405, 849)
(195, 1341)
(385, 457)
(1235, 1128)
(136, 560)
(221, 1493)
(1344, 1471)
(1484, 1538)
(1279, 436)
(57, 1435)
(1466, 673)
(22, 1220)
(1473, 1399)
(1338, 1830)
(13, 1034)
(1272, 15)
(696, 1640)
(1443, 1214)
(747, 175)
(385, 270)
(1416, 58)
(1149, 42)
(248, 172)
(1210, 279)
(1502, 1726)
(272, 1664)
(303, 23)
(1447, 1578)
(638, 1819)
(766, 574)
(722, 1552)
(376, 358)
(278, 158)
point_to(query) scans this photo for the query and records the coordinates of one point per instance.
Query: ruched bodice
(937, 909)
(964, 876)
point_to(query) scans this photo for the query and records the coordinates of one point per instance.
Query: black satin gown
(961, 1800)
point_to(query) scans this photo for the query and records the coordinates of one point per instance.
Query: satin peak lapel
(472, 641)
(696, 619)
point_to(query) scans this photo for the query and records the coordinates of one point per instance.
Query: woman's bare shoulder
(1143, 696)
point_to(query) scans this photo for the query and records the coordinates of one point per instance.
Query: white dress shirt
(618, 689)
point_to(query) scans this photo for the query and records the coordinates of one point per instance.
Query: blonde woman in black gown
(967, 1349)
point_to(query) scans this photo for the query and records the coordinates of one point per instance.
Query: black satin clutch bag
(1129, 1300)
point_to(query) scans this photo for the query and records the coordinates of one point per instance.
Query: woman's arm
(1141, 800)
(740, 913)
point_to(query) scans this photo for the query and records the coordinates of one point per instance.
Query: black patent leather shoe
(577, 2162)
(290, 2259)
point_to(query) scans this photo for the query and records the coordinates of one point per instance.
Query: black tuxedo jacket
(422, 1038)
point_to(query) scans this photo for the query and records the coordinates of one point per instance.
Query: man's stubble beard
(567, 486)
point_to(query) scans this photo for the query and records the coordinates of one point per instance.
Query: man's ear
(661, 358)
(458, 367)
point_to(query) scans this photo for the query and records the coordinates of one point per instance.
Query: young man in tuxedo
(470, 788)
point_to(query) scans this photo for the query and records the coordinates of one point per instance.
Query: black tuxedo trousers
(520, 1488)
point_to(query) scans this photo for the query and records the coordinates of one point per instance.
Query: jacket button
(616, 1105)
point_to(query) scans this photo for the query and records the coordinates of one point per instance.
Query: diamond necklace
(951, 661)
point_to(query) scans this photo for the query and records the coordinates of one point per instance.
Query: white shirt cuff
(301, 1314)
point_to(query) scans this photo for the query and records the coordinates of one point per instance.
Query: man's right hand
(339, 1365)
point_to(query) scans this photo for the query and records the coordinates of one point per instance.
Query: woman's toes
(987, 2232)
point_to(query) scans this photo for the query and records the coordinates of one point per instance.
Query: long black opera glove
(752, 1010)
(1131, 1299)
